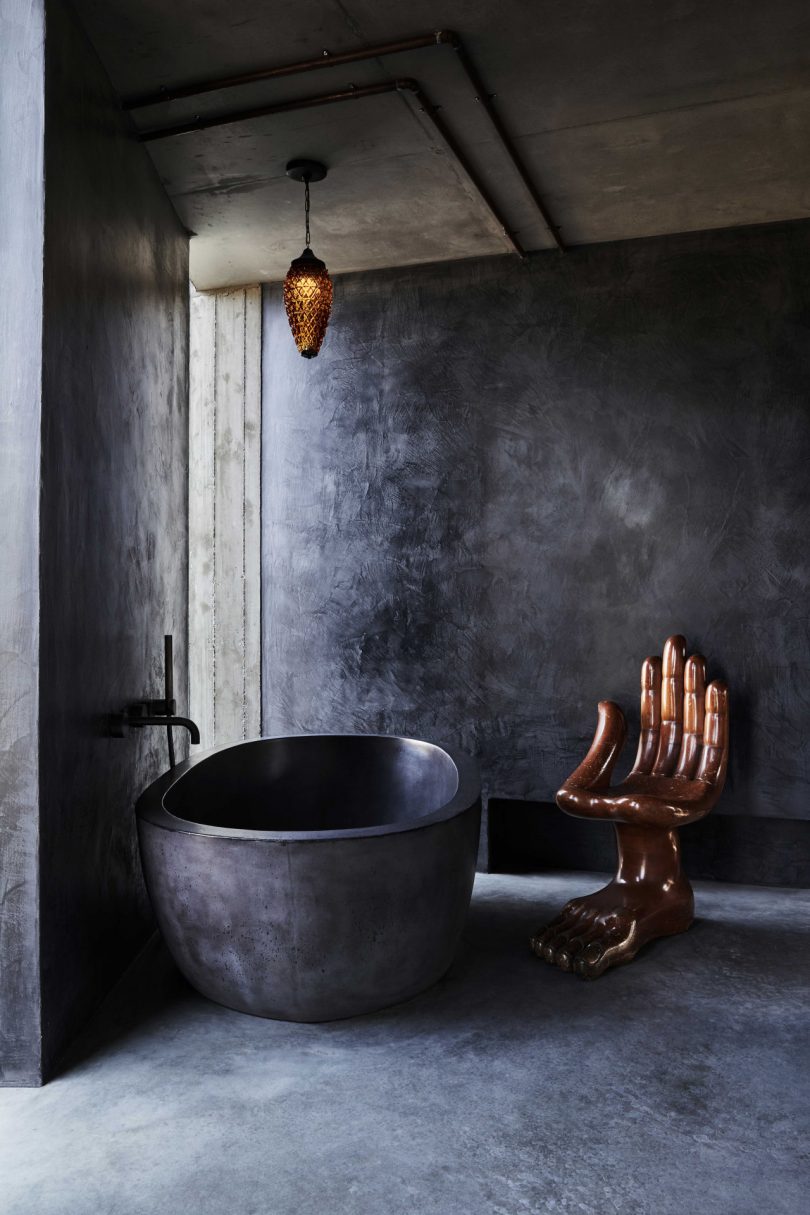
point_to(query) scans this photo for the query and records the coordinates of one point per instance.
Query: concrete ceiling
(635, 119)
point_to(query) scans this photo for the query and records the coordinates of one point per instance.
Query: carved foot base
(608, 928)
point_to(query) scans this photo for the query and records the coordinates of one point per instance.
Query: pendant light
(307, 287)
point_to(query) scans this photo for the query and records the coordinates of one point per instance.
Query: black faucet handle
(161, 712)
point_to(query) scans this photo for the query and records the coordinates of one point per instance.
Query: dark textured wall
(21, 219)
(501, 485)
(114, 541)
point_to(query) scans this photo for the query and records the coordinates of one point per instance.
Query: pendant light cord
(306, 210)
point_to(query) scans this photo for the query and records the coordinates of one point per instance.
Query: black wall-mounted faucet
(156, 712)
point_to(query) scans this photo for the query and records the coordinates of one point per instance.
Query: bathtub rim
(150, 806)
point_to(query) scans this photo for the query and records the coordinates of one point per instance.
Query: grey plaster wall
(114, 531)
(501, 485)
(22, 108)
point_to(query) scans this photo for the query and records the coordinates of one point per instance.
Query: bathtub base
(303, 932)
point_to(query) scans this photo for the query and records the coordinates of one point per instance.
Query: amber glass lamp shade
(308, 301)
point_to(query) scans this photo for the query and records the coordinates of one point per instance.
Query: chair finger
(694, 692)
(714, 760)
(669, 741)
(650, 715)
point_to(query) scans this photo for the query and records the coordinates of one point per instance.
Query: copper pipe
(325, 60)
(201, 123)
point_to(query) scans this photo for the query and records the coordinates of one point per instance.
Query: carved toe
(563, 958)
(613, 945)
(552, 945)
(548, 941)
(583, 938)
(587, 961)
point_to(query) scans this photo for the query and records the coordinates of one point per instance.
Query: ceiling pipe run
(203, 122)
(485, 100)
(327, 59)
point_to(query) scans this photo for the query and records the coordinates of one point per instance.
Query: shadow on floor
(150, 987)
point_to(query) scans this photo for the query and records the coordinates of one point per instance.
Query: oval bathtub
(312, 878)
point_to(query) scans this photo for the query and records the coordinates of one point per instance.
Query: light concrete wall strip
(251, 522)
(21, 223)
(202, 597)
(225, 494)
(229, 488)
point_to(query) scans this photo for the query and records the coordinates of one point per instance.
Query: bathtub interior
(317, 783)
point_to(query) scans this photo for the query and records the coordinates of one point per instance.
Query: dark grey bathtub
(313, 878)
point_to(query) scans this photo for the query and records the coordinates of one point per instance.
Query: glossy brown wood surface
(677, 777)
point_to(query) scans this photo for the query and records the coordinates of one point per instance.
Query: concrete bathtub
(312, 878)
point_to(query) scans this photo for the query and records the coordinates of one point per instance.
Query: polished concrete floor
(678, 1084)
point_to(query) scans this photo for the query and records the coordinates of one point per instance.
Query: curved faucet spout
(193, 732)
(186, 722)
